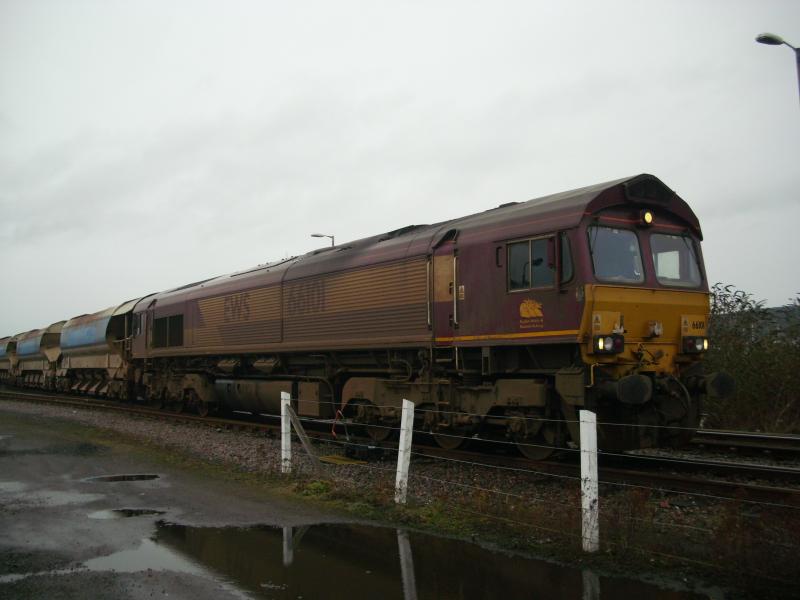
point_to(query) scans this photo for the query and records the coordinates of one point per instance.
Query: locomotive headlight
(646, 218)
(609, 344)
(695, 345)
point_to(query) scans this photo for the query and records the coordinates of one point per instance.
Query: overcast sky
(145, 145)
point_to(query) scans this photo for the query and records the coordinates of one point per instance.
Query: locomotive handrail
(455, 290)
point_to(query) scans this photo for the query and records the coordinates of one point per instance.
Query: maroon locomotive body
(488, 323)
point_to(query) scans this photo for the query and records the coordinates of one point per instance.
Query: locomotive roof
(564, 210)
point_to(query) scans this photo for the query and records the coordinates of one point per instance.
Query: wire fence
(506, 500)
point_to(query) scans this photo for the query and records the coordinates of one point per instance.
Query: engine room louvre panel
(175, 331)
(160, 332)
(372, 302)
(240, 318)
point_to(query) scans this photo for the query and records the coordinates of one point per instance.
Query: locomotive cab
(645, 319)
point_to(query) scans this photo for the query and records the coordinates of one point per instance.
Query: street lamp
(323, 235)
(775, 40)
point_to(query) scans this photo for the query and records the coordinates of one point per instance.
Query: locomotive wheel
(453, 439)
(368, 415)
(535, 438)
(380, 433)
(449, 435)
(540, 446)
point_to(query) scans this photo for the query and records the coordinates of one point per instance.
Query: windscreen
(616, 255)
(675, 260)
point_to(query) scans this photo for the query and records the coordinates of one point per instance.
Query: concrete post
(404, 452)
(590, 508)
(286, 433)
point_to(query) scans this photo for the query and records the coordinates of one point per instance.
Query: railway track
(717, 479)
(742, 442)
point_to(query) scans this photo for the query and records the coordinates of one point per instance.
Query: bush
(760, 348)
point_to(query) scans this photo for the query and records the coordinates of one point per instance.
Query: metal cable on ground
(698, 494)
(499, 467)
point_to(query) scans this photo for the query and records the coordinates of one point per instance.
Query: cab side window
(531, 264)
(519, 266)
(543, 262)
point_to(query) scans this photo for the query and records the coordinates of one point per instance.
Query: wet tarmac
(73, 527)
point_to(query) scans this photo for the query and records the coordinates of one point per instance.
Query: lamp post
(323, 235)
(775, 40)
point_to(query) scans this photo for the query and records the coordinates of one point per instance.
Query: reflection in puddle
(124, 513)
(351, 562)
(149, 555)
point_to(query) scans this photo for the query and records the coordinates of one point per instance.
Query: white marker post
(406, 566)
(404, 452)
(286, 433)
(590, 506)
(288, 547)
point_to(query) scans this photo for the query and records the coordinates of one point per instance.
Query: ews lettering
(236, 308)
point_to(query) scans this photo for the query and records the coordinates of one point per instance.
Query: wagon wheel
(203, 408)
(194, 402)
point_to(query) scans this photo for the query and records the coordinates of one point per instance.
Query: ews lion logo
(530, 309)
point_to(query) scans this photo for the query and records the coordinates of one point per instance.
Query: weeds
(760, 348)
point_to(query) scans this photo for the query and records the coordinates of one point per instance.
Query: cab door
(446, 303)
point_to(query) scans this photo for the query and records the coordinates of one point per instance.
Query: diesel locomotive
(499, 324)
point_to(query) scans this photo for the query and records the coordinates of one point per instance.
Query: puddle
(353, 562)
(113, 478)
(124, 513)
